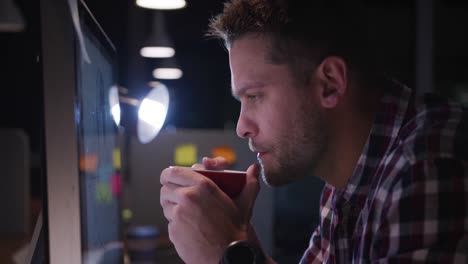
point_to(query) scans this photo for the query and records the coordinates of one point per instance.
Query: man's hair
(301, 32)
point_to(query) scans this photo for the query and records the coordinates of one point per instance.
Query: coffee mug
(230, 182)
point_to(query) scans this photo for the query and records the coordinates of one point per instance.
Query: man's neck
(351, 130)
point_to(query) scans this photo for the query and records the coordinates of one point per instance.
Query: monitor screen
(97, 146)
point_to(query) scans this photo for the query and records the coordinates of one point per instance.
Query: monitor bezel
(59, 65)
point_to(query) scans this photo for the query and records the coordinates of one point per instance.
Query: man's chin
(274, 179)
(280, 177)
(272, 174)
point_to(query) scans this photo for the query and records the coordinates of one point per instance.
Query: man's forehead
(251, 65)
(250, 42)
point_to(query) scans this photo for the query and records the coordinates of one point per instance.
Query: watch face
(243, 252)
(239, 253)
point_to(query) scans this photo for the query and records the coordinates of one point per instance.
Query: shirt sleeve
(425, 215)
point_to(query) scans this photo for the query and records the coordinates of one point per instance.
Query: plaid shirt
(407, 200)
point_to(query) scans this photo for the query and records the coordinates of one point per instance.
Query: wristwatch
(242, 252)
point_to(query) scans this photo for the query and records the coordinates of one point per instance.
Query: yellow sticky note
(185, 155)
(117, 161)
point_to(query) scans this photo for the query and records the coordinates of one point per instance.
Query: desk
(8, 246)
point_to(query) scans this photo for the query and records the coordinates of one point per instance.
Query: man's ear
(332, 76)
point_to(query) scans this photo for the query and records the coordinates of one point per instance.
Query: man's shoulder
(434, 128)
(435, 132)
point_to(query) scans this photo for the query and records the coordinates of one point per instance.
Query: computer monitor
(83, 183)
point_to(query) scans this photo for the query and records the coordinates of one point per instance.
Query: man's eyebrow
(241, 91)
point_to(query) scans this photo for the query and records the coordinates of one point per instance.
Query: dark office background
(401, 33)
(201, 98)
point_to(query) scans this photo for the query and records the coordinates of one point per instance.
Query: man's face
(282, 121)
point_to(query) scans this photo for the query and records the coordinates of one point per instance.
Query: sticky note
(127, 214)
(116, 184)
(103, 193)
(88, 163)
(185, 155)
(226, 152)
(117, 160)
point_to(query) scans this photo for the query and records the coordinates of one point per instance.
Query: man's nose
(246, 127)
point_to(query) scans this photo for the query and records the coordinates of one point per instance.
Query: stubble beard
(298, 151)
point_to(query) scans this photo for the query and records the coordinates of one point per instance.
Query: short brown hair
(302, 33)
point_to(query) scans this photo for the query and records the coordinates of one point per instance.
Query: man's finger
(198, 166)
(168, 209)
(179, 176)
(246, 199)
(218, 163)
(173, 193)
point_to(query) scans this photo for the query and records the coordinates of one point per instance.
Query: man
(312, 104)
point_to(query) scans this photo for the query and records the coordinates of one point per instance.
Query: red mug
(230, 182)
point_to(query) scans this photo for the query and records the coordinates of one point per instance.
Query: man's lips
(260, 154)
(258, 149)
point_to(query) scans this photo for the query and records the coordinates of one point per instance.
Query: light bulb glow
(115, 110)
(161, 4)
(114, 103)
(167, 73)
(157, 52)
(152, 113)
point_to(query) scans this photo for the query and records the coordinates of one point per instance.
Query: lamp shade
(158, 43)
(152, 113)
(167, 69)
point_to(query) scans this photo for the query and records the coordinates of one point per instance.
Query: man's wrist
(242, 252)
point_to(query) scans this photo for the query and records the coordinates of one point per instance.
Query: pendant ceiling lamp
(161, 4)
(152, 113)
(158, 44)
(168, 69)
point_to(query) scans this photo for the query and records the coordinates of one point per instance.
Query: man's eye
(252, 96)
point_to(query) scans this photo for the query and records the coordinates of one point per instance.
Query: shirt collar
(386, 126)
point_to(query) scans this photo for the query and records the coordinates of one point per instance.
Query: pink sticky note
(116, 184)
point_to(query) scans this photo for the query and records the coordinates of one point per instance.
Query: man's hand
(203, 220)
